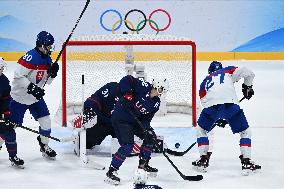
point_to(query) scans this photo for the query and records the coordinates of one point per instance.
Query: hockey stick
(67, 139)
(176, 153)
(69, 37)
(156, 145)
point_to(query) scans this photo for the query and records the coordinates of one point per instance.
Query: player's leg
(239, 124)
(125, 136)
(40, 112)
(8, 134)
(145, 152)
(205, 122)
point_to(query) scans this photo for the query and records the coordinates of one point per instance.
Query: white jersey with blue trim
(218, 87)
(31, 68)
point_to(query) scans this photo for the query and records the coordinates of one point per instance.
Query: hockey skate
(144, 164)
(111, 176)
(248, 166)
(17, 162)
(202, 163)
(47, 152)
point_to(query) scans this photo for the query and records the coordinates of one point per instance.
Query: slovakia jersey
(144, 106)
(218, 87)
(31, 68)
(103, 101)
(4, 94)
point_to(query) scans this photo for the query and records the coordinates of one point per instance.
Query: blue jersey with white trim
(31, 68)
(218, 87)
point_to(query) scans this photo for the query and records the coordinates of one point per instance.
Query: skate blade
(110, 181)
(48, 157)
(200, 169)
(247, 172)
(17, 166)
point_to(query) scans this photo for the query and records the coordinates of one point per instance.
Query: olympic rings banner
(129, 22)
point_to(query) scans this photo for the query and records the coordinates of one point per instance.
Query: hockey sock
(10, 142)
(120, 156)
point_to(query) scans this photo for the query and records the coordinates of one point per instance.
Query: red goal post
(135, 43)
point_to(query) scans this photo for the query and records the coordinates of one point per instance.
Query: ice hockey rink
(264, 113)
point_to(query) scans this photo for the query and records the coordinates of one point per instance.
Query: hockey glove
(247, 91)
(89, 114)
(150, 133)
(52, 70)
(36, 91)
(221, 123)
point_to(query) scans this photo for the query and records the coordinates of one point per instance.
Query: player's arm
(52, 71)
(248, 76)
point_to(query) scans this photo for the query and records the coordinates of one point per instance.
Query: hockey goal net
(106, 58)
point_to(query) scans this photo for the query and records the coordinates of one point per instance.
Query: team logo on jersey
(39, 76)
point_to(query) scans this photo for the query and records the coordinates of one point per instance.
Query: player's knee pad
(45, 128)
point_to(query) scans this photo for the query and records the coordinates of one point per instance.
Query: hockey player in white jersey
(219, 100)
(34, 69)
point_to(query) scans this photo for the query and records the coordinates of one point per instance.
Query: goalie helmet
(162, 86)
(44, 38)
(214, 66)
(140, 177)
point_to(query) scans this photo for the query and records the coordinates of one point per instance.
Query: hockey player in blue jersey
(219, 101)
(140, 100)
(7, 132)
(34, 69)
(100, 105)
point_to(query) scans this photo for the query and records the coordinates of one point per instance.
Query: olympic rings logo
(141, 25)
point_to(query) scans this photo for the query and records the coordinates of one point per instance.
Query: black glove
(88, 113)
(36, 91)
(150, 133)
(52, 70)
(247, 91)
(221, 123)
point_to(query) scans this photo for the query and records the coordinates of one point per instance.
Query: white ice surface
(264, 113)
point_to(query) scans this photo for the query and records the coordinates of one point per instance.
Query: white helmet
(161, 84)
(140, 177)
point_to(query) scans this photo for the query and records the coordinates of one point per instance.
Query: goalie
(97, 114)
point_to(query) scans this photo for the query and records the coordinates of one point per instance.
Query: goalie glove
(247, 91)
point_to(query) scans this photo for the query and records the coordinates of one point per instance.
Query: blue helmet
(214, 66)
(44, 38)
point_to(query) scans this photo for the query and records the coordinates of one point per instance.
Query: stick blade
(193, 178)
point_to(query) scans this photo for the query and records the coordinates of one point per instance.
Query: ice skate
(17, 162)
(47, 152)
(248, 166)
(111, 176)
(144, 164)
(202, 163)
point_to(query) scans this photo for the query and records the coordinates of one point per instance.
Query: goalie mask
(162, 86)
(2, 65)
(140, 177)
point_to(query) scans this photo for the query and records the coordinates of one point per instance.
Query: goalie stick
(156, 145)
(69, 37)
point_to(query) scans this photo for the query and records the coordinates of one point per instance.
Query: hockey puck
(177, 145)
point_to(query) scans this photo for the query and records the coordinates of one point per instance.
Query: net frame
(111, 42)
